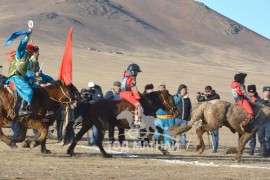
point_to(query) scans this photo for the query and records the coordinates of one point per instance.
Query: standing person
(129, 91)
(209, 95)
(91, 95)
(241, 97)
(114, 93)
(163, 122)
(252, 92)
(183, 104)
(264, 130)
(161, 87)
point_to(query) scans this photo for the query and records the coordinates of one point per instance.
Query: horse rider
(130, 92)
(34, 74)
(17, 73)
(241, 97)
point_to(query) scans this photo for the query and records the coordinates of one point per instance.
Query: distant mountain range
(183, 27)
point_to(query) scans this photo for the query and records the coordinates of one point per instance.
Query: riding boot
(24, 110)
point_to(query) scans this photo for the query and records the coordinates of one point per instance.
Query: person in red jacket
(241, 97)
(130, 92)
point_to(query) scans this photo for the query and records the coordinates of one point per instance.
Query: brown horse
(216, 113)
(44, 99)
(104, 112)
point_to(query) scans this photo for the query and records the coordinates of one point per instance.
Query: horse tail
(69, 136)
(175, 130)
(196, 114)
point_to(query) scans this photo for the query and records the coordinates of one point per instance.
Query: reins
(57, 100)
(165, 103)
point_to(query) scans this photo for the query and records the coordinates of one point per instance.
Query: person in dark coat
(264, 130)
(208, 95)
(114, 93)
(91, 95)
(252, 92)
(183, 104)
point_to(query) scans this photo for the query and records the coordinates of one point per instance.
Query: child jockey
(34, 71)
(241, 97)
(130, 92)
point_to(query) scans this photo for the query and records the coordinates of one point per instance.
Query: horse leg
(200, 131)
(42, 132)
(101, 133)
(79, 135)
(9, 141)
(242, 143)
(44, 150)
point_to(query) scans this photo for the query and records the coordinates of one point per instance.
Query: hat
(208, 89)
(117, 83)
(162, 84)
(251, 88)
(149, 86)
(181, 86)
(91, 84)
(266, 88)
(240, 77)
(31, 47)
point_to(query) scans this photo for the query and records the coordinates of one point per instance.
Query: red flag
(11, 55)
(66, 65)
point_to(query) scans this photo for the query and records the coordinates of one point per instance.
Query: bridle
(58, 100)
(166, 104)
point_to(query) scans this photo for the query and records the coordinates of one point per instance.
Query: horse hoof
(71, 153)
(13, 146)
(165, 152)
(46, 151)
(198, 148)
(107, 155)
(25, 144)
(238, 160)
(33, 144)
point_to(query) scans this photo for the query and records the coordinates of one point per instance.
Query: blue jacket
(183, 105)
(112, 95)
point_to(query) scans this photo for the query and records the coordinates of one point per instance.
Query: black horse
(104, 112)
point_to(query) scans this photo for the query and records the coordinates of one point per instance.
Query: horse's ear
(59, 82)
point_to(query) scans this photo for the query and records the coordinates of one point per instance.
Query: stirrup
(25, 113)
(49, 113)
(137, 122)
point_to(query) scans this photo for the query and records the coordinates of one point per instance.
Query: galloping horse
(44, 99)
(216, 113)
(104, 112)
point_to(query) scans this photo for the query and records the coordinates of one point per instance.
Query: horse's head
(162, 99)
(168, 103)
(65, 94)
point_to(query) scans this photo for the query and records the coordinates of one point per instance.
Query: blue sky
(253, 14)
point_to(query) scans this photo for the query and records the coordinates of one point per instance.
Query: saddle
(11, 88)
